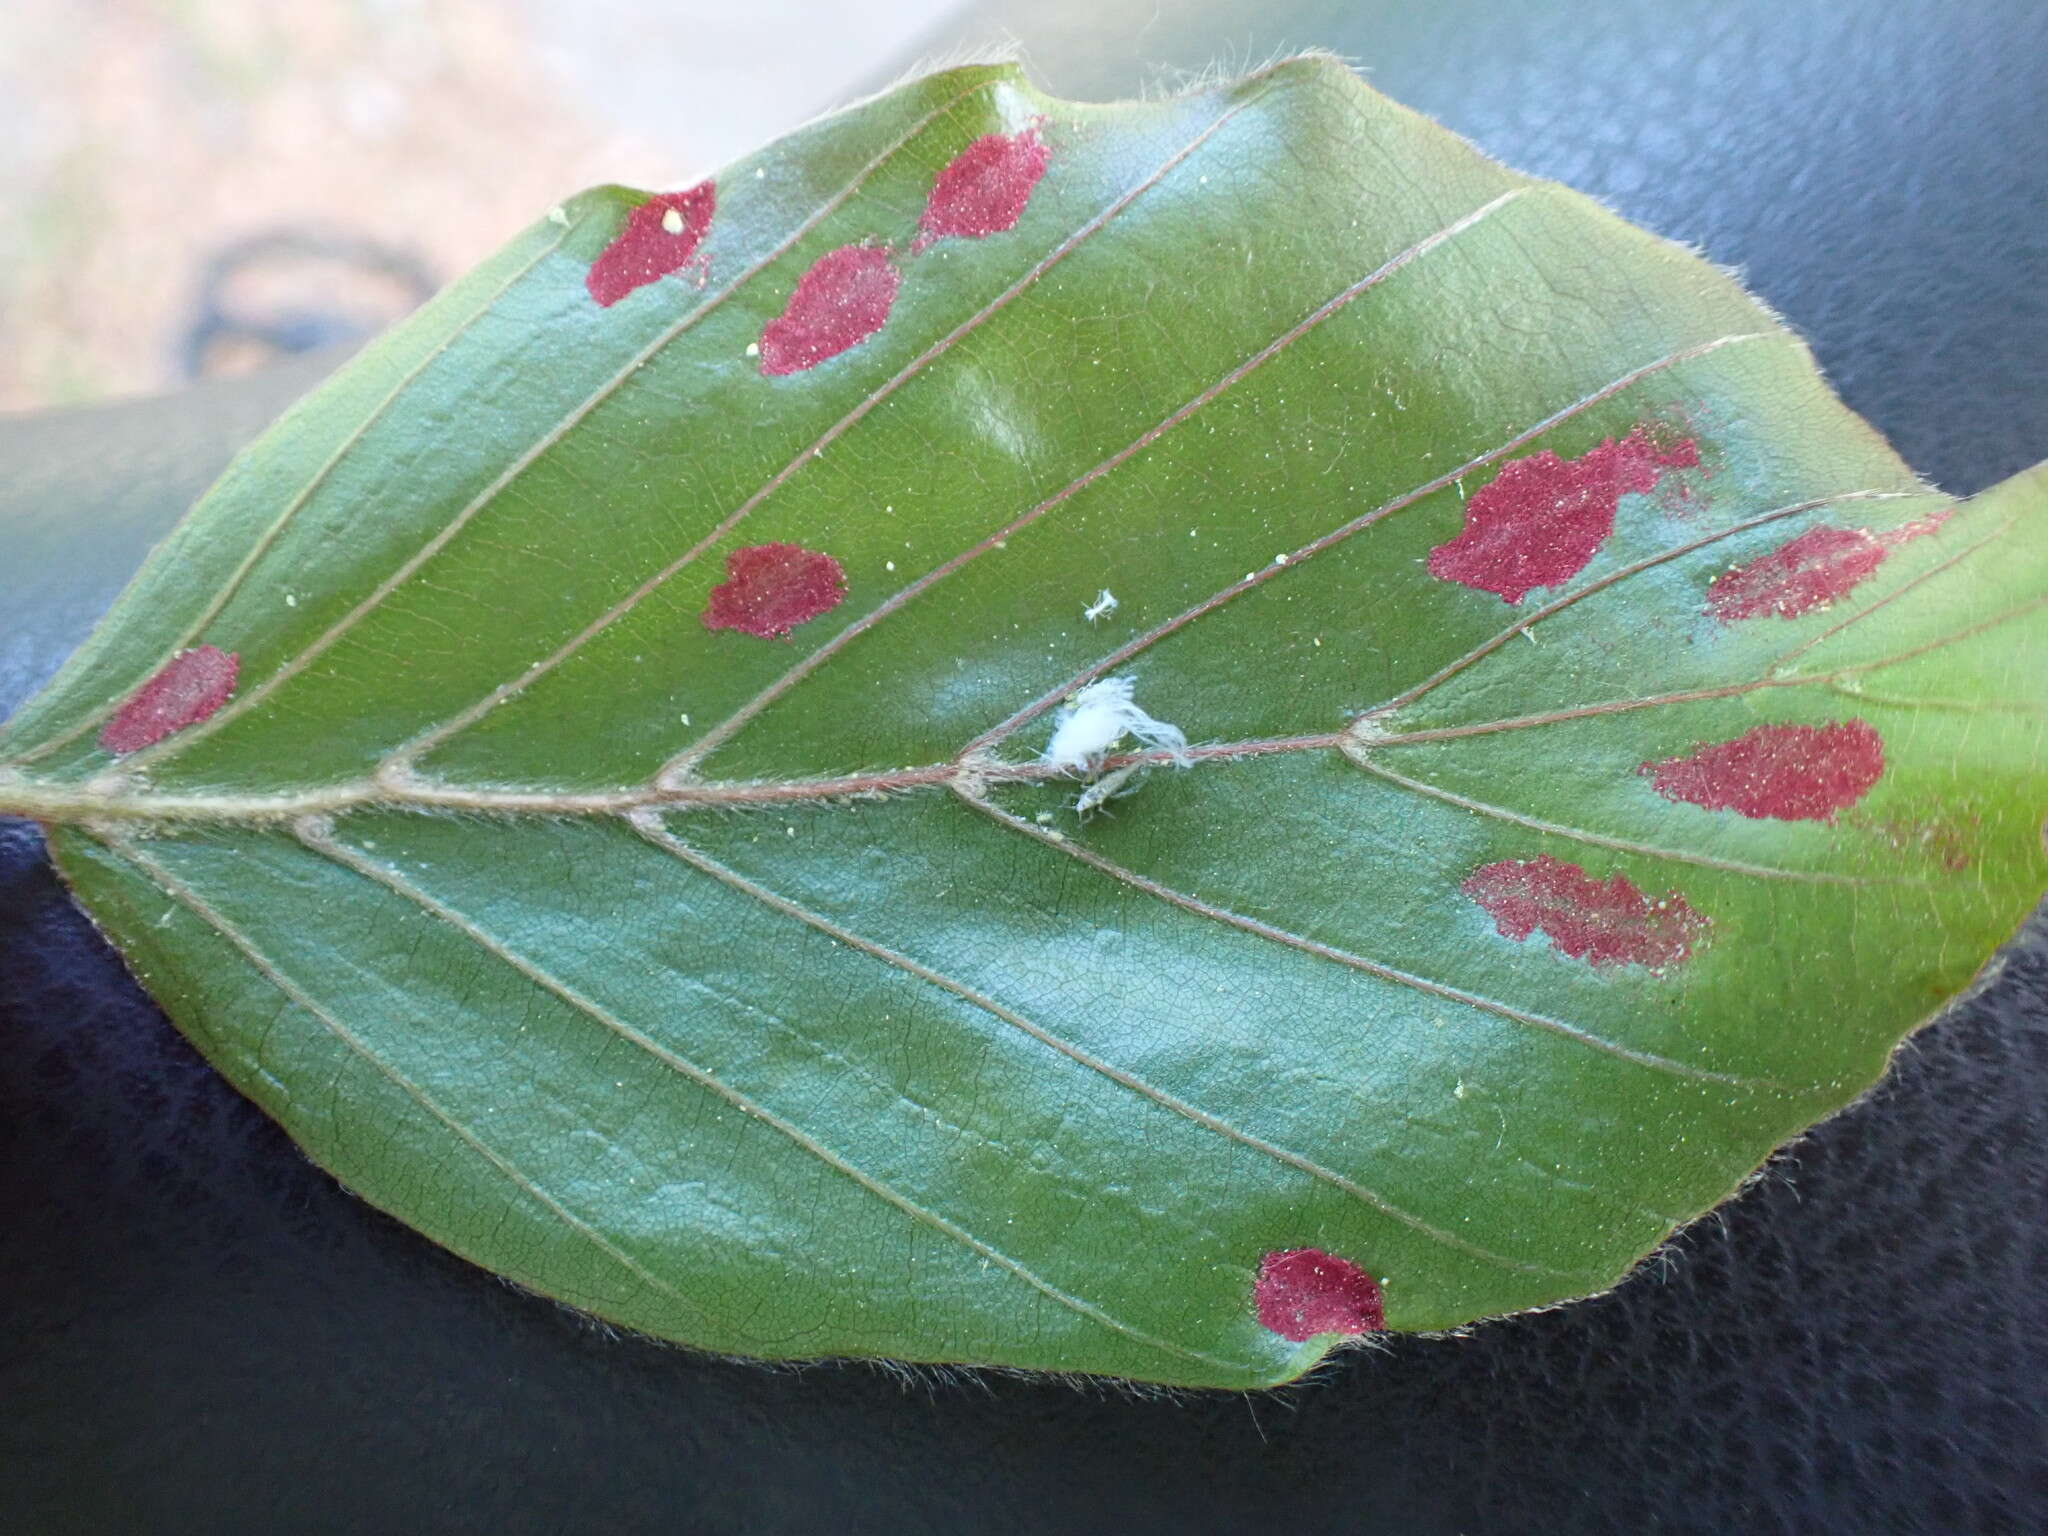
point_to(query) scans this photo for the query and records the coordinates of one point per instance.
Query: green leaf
(585, 770)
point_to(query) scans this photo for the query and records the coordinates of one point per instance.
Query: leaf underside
(581, 771)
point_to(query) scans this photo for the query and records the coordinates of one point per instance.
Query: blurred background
(193, 186)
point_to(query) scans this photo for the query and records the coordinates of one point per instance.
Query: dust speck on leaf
(1542, 518)
(190, 687)
(1303, 1292)
(769, 589)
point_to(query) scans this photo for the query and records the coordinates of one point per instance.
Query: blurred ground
(368, 146)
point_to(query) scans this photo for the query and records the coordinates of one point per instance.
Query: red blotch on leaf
(1810, 572)
(1302, 1292)
(1603, 922)
(660, 236)
(771, 588)
(1543, 518)
(191, 686)
(840, 302)
(1779, 772)
(984, 190)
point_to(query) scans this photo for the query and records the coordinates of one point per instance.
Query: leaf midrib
(112, 800)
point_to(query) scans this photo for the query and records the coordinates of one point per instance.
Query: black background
(200, 1332)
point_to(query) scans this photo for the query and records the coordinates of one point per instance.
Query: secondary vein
(474, 712)
(319, 837)
(1281, 936)
(1362, 756)
(342, 626)
(1297, 558)
(649, 826)
(160, 875)
(271, 534)
(726, 729)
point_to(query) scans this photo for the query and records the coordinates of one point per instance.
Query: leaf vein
(726, 729)
(1558, 605)
(650, 827)
(940, 348)
(348, 621)
(275, 531)
(1276, 935)
(178, 890)
(1897, 592)
(1296, 558)
(318, 836)
(1361, 755)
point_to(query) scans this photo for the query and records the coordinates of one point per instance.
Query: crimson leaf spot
(840, 302)
(1602, 922)
(771, 588)
(190, 686)
(1810, 572)
(660, 236)
(1302, 1292)
(1543, 518)
(1780, 772)
(984, 189)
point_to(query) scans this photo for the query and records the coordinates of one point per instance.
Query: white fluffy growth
(1100, 716)
(1104, 604)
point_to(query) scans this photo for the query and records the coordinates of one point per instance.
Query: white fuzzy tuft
(1100, 716)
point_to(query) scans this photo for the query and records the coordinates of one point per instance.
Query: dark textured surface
(200, 1333)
